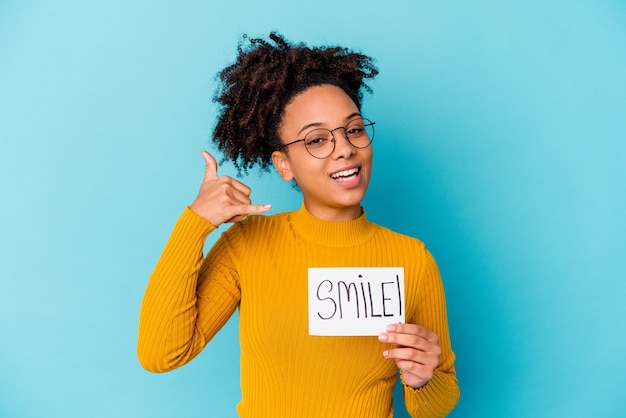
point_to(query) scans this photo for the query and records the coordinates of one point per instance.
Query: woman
(297, 108)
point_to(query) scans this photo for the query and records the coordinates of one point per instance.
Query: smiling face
(333, 187)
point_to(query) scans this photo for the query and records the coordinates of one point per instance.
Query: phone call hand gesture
(223, 199)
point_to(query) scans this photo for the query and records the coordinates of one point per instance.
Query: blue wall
(500, 142)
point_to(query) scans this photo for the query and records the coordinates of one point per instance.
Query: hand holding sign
(416, 352)
(223, 199)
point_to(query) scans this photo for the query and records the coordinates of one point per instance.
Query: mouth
(346, 175)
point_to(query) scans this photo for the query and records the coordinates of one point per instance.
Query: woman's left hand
(416, 352)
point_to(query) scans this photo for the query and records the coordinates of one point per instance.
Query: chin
(351, 202)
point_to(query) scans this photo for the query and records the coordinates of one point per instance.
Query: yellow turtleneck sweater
(260, 265)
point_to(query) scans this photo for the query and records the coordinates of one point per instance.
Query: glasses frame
(366, 123)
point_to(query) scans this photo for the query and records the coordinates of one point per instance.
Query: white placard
(350, 301)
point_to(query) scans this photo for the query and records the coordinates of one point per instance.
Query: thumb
(210, 172)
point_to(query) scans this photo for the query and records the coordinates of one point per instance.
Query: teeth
(345, 173)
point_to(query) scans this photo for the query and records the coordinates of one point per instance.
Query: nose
(343, 147)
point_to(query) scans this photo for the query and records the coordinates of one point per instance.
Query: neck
(332, 234)
(335, 214)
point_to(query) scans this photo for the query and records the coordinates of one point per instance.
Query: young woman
(297, 108)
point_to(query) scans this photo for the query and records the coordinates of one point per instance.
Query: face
(333, 187)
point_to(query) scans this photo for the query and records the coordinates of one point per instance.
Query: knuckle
(417, 356)
(413, 359)
(412, 366)
(224, 180)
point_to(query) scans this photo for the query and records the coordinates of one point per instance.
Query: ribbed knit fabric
(260, 265)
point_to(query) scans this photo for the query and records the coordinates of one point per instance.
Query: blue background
(500, 143)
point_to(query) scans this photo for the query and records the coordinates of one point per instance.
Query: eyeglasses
(320, 142)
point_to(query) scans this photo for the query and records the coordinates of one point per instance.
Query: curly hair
(266, 76)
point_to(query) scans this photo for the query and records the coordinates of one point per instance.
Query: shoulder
(257, 225)
(400, 238)
(412, 251)
(260, 220)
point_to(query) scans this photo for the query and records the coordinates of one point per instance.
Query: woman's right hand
(223, 199)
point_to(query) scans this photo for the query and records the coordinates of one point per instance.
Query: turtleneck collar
(329, 233)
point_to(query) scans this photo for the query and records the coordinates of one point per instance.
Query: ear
(281, 162)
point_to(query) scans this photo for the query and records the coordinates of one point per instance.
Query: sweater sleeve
(187, 299)
(441, 394)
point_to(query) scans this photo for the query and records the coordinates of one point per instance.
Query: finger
(239, 186)
(412, 329)
(411, 355)
(240, 212)
(415, 372)
(238, 198)
(412, 336)
(231, 191)
(226, 182)
(407, 340)
(210, 172)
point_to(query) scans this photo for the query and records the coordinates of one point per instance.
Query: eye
(355, 128)
(352, 131)
(317, 138)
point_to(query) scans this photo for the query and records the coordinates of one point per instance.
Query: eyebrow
(317, 124)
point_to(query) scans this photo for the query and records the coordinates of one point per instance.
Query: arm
(423, 352)
(188, 299)
(169, 331)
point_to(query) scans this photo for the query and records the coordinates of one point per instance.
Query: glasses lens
(360, 132)
(319, 143)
